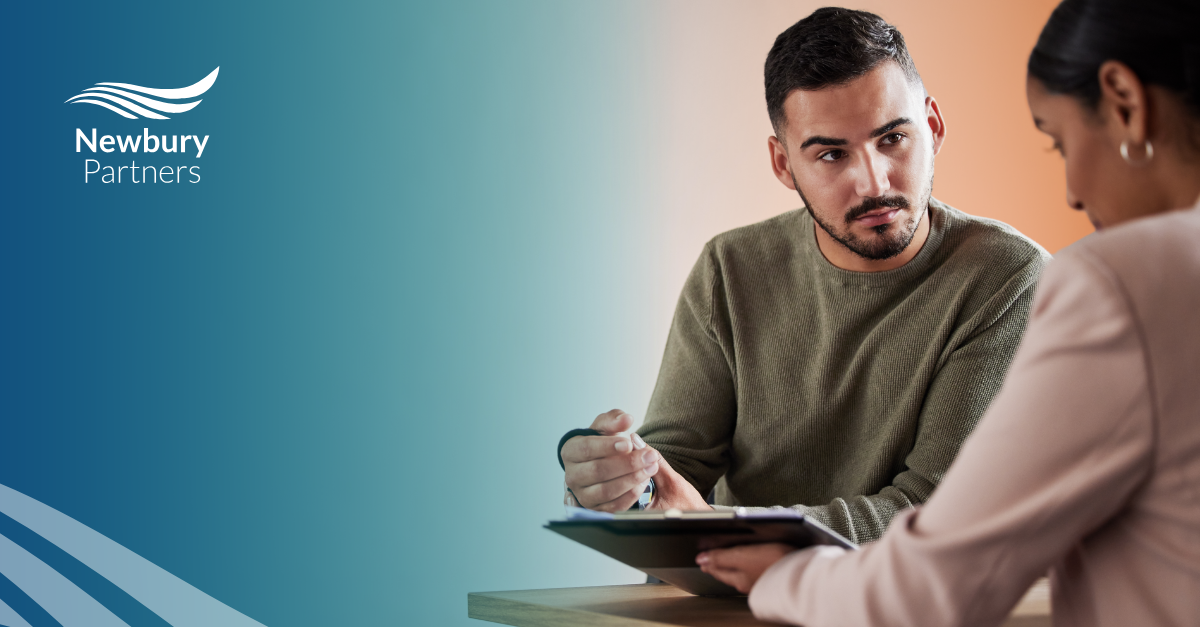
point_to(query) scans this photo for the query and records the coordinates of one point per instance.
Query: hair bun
(1153, 37)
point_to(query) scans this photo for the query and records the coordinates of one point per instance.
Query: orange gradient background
(711, 171)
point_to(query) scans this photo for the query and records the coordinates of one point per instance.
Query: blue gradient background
(323, 384)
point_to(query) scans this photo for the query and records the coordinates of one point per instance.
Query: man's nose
(871, 181)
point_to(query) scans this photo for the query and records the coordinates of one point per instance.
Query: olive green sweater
(788, 381)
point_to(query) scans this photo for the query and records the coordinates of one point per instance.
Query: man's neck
(837, 254)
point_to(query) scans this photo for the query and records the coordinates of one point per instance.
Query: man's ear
(933, 114)
(780, 163)
(1123, 103)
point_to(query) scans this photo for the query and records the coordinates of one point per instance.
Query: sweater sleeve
(967, 381)
(693, 409)
(1067, 441)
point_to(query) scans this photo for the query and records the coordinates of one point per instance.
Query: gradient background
(323, 385)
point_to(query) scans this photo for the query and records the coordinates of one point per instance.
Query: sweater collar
(940, 220)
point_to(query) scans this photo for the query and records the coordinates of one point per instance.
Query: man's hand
(609, 472)
(741, 566)
(672, 491)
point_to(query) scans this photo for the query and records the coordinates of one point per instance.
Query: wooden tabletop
(647, 605)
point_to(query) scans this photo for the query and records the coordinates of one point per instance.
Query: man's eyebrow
(833, 141)
(889, 126)
(824, 141)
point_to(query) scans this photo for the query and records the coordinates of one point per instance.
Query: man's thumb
(613, 422)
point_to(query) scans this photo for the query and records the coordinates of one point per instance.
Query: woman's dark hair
(1157, 39)
(833, 46)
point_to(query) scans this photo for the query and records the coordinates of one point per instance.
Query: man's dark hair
(831, 47)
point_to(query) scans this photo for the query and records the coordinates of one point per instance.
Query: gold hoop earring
(1125, 153)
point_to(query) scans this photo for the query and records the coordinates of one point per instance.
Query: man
(832, 358)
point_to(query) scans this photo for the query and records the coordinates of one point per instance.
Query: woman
(1088, 461)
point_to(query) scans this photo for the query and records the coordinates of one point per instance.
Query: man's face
(861, 157)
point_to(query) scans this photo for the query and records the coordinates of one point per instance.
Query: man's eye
(832, 155)
(893, 138)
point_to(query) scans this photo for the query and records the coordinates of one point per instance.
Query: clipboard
(665, 544)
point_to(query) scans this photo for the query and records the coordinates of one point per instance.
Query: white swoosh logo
(174, 600)
(143, 101)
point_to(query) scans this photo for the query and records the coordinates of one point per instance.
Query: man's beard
(892, 238)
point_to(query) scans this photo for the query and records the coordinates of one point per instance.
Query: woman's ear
(1123, 103)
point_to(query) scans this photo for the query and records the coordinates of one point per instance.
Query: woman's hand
(741, 566)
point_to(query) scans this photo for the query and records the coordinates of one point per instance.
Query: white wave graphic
(174, 600)
(143, 101)
(62, 600)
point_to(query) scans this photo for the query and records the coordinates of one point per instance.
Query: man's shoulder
(975, 242)
(762, 241)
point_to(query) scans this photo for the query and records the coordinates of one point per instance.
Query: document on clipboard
(664, 544)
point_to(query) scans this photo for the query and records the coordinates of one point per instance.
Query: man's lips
(877, 217)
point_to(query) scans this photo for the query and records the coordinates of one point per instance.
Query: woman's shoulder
(1153, 266)
(1160, 248)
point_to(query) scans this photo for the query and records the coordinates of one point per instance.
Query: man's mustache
(871, 204)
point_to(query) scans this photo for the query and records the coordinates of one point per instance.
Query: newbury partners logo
(136, 102)
(69, 595)
(145, 96)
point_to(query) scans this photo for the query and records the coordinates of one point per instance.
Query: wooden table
(647, 605)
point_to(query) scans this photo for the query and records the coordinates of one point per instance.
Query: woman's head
(1116, 84)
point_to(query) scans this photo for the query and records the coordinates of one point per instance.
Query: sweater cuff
(776, 595)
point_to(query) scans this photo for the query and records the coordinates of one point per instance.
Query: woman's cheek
(1082, 179)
